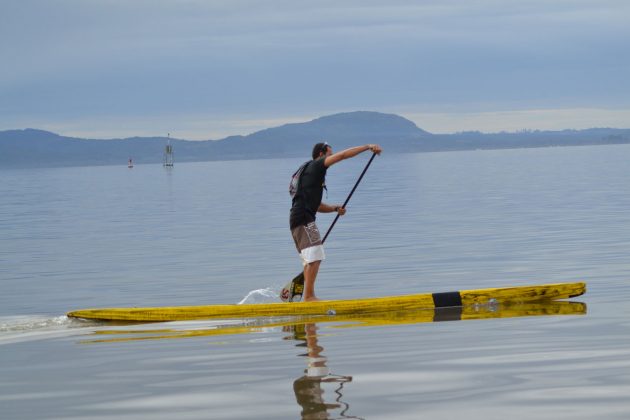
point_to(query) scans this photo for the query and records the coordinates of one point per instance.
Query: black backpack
(294, 185)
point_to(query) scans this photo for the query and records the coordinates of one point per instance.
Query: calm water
(212, 232)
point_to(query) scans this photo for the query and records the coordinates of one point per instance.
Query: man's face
(328, 151)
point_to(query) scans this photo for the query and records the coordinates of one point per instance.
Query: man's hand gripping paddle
(293, 291)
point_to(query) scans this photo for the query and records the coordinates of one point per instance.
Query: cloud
(516, 120)
(70, 60)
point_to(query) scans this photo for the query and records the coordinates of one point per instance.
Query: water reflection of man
(308, 389)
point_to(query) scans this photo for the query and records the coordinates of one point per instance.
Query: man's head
(321, 149)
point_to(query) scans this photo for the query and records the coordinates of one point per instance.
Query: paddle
(294, 289)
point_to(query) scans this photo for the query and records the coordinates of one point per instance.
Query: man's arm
(349, 153)
(329, 208)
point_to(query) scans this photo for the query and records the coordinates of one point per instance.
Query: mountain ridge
(40, 148)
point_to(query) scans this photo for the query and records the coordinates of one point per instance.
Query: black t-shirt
(309, 195)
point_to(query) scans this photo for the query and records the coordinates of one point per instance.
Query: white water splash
(15, 329)
(40, 322)
(267, 295)
(30, 323)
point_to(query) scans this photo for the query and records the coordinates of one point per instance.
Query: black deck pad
(446, 299)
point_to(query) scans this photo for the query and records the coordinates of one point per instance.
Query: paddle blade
(293, 291)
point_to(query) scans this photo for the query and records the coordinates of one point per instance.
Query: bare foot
(312, 299)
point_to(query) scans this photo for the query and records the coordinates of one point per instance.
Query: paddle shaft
(349, 196)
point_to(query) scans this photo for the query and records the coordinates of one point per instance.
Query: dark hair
(319, 148)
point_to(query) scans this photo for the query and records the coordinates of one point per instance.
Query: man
(308, 201)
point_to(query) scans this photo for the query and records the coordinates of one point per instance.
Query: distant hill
(37, 148)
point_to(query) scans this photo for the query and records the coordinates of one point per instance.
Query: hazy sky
(205, 69)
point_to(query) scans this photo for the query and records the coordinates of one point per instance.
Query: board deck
(518, 294)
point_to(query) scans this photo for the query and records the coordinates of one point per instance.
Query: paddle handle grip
(349, 196)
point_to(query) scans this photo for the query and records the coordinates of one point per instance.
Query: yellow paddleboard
(296, 324)
(464, 298)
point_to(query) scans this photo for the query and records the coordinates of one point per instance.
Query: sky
(206, 69)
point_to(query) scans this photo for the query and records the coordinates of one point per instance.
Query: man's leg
(310, 274)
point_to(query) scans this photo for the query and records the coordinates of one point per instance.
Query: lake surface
(217, 232)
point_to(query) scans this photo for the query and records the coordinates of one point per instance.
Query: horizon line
(191, 129)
